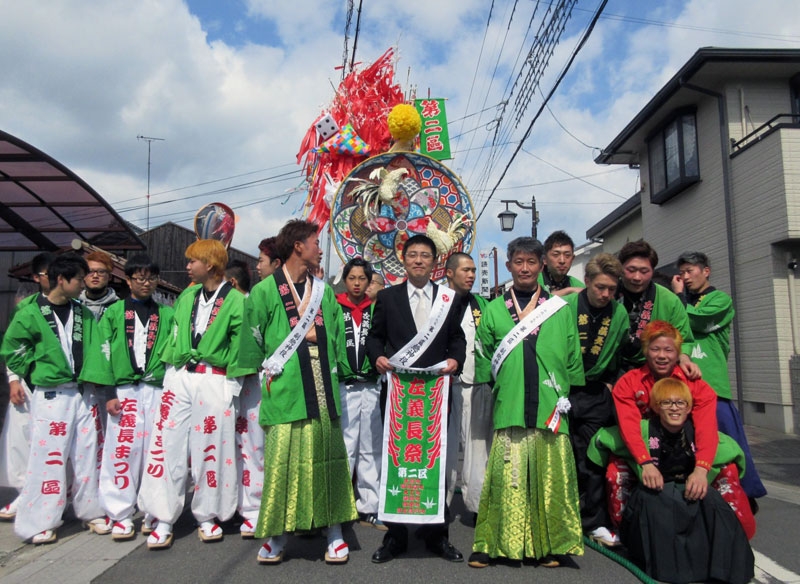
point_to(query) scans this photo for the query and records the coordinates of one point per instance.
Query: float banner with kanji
(414, 448)
(434, 139)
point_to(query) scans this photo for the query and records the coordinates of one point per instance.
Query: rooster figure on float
(390, 196)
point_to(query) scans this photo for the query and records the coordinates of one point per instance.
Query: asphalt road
(234, 560)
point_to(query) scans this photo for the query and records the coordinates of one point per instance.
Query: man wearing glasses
(97, 296)
(401, 313)
(133, 332)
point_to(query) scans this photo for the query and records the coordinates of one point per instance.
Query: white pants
(471, 425)
(15, 443)
(196, 418)
(250, 449)
(363, 439)
(100, 398)
(127, 439)
(66, 426)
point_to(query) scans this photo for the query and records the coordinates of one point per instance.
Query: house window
(672, 155)
(794, 84)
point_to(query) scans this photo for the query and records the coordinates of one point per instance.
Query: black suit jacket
(393, 326)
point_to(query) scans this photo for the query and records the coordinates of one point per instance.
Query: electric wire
(562, 74)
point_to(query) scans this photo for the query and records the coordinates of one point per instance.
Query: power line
(560, 180)
(208, 182)
(570, 134)
(560, 78)
(475, 73)
(539, 158)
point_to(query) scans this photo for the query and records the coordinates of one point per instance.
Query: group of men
(272, 399)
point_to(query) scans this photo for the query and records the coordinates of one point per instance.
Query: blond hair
(210, 251)
(667, 388)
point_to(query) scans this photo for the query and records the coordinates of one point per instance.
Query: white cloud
(81, 81)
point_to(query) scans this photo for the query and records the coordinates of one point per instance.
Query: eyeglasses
(425, 255)
(141, 280)
(98, 273)
(678, 403)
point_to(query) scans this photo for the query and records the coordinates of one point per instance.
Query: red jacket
(632, 400)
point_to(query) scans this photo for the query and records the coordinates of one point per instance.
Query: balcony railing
(779, 121)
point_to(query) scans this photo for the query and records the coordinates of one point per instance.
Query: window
(794, 85)
(672, 155)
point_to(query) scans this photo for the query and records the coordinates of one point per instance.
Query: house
(718, 148)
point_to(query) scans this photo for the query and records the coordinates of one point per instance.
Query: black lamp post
(507, 216)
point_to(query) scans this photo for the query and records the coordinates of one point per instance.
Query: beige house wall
(753, 102)
(765, 196)
(629, 230)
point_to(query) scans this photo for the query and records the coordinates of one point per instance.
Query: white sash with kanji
(276, 362)
(523, 328)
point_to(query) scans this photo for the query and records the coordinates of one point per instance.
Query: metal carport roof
(44, 205)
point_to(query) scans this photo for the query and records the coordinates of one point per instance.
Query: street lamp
(507, 220)
(507, 216)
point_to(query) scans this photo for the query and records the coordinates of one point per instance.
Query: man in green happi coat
(133, 332)
(528, 347)
(646, 301)
(293, 320)
(602, 326)
(197, 415)
(15, 443)
(48, 342)
(711, 313)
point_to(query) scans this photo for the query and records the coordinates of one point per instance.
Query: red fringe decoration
(364, 99)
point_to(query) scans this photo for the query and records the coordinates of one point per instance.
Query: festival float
(372, 162)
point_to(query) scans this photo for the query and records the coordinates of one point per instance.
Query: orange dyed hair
(660, 328)
(667, 388)
(101, 258)
(209, 251)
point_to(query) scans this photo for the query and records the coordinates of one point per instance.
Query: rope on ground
(624, 562)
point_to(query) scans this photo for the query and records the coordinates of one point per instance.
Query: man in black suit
(399, 311)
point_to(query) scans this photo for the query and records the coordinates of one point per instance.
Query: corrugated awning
(44, 205)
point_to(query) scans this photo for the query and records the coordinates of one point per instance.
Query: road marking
(783, 492)
(768, 571)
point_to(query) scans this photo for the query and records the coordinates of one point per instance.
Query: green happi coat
(285, 400)
(609, 441)
(668, 307)
(573, 282)
(219, 345)
(32, 351)
(114, 365)
(558, 356)
(710, 320)
(607, 359)
(25, 301)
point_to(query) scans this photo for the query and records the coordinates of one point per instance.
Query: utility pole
(496, 283)
(149, 141)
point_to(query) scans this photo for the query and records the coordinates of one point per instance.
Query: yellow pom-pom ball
(404, 122)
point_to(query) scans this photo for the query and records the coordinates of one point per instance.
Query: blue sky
(232, 86)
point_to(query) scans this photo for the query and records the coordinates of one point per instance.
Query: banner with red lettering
(414, 448)
(434, 139)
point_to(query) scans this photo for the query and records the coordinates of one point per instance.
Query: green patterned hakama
(529, 505)
(306, 473)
